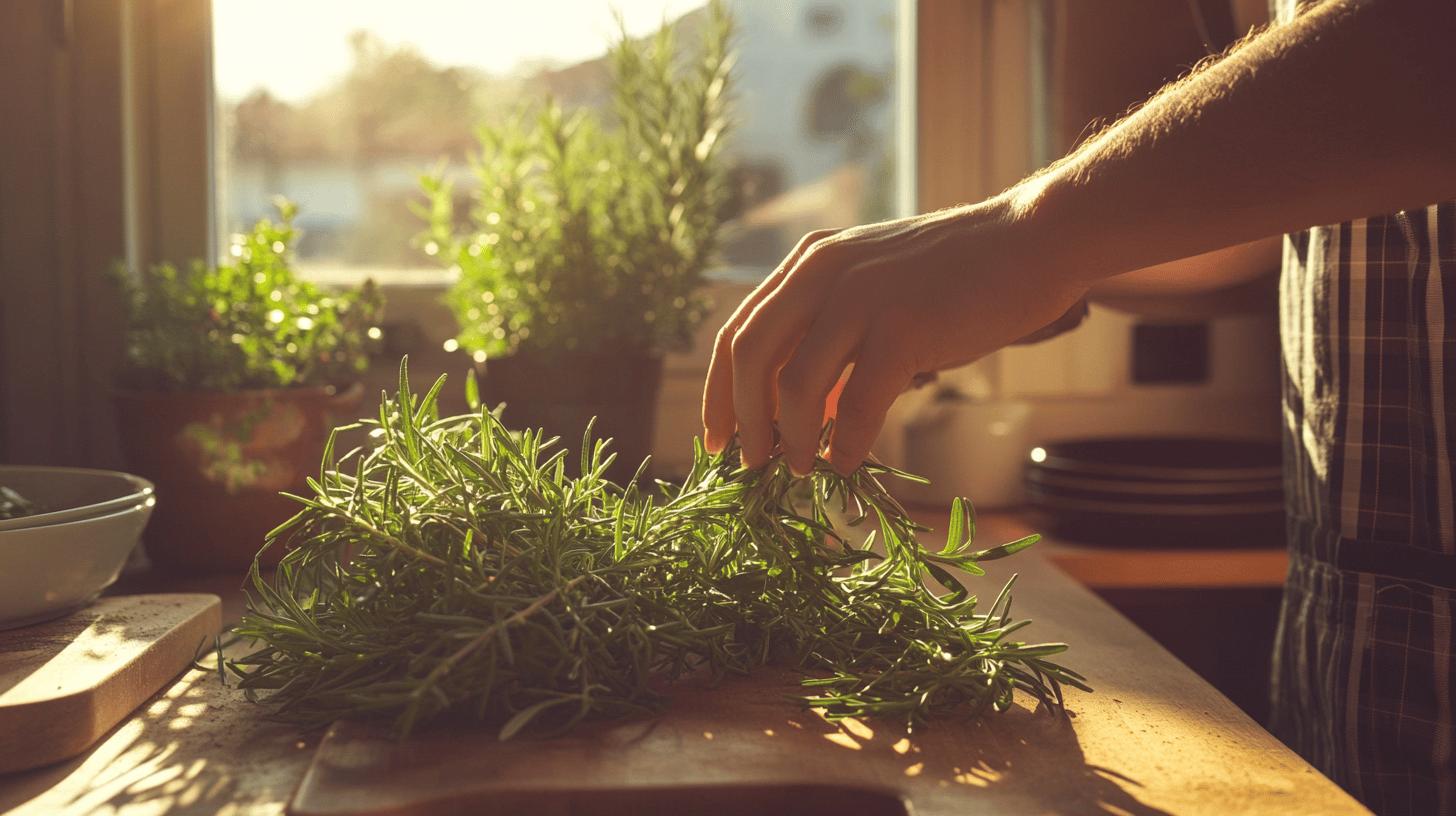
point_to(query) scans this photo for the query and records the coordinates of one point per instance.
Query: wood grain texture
(65, 683)
(1153, 738)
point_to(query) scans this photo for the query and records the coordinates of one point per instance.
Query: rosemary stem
(490, 631)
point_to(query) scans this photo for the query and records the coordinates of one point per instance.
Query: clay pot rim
(350, 391)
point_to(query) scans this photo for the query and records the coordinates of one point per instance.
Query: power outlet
(1170, 353)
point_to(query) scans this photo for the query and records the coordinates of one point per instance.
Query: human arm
(1201, 285)
(1342, 113)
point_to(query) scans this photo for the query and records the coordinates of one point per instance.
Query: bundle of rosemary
(451, 565)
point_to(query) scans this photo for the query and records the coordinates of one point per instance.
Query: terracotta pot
(561, 392)
(219, 460)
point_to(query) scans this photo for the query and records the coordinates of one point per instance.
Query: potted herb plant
(582, 255)
(235, 375)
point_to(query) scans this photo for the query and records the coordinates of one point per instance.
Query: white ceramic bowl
(50, 570)
(68, 494)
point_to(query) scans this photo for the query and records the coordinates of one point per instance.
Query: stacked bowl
(1159, 491)
(64, 537)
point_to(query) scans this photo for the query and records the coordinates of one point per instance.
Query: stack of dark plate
(1159, 491)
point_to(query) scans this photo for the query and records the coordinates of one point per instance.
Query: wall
(61, 227)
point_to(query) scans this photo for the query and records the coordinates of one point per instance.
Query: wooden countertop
(1129, 568)
(1154, 737)
(1102, 567)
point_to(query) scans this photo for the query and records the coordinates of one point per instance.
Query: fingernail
(798, 471)
(713, 444)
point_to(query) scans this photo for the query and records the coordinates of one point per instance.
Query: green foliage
(452, 566)
(594, 235)
(251, 323)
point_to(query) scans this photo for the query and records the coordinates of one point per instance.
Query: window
(341, 106)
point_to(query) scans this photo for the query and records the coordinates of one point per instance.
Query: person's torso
(1370, 391)
(1370, 387)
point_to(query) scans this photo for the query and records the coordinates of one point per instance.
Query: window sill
(435, 278)
(418, 322)
(385, 277)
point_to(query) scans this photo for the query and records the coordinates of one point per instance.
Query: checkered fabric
(1363, 666)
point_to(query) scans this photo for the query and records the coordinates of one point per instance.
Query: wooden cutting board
(1153, 739)
(64, 683)
(745, 749)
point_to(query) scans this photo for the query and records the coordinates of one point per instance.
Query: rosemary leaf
(452, 566)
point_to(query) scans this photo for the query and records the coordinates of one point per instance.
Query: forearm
(1196, 275)
(1343, 113)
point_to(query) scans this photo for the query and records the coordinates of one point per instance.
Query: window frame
(167, 130)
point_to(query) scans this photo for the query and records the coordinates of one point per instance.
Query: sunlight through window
(341, 106)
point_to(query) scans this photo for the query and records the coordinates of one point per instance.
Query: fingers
(877, 379)
(718, 392)
(718, 412)
(754, 395)
(718, 420)
(766, 340)
(810, 374)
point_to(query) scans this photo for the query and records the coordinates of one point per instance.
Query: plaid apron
(1363, 667)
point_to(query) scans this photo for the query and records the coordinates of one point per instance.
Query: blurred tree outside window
(341, 106)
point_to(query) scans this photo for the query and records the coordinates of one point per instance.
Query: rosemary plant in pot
(581, 258)
(235, 375)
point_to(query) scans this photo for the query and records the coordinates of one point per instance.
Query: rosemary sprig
(452, 565)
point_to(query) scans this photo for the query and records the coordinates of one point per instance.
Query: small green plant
(249, 323)
(594, 235)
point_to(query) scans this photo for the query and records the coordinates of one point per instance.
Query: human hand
(892, 300)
